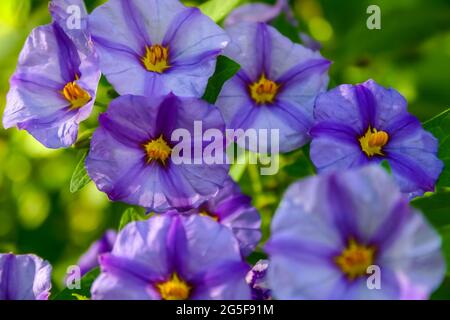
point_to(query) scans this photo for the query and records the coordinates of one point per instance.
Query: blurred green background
(38, 213)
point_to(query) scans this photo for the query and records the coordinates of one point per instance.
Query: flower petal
(24, 277)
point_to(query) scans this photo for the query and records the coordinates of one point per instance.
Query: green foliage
(225, 69)
(255, 257)
(435, 207)
(79, 297)
(80, 177)
(301, 165)
(84, 139)
(386, 166)
(445, 234)
(439, 126)
(13, 12)
(84, 293)
(218, 9)
(443, 292)
(131, 215)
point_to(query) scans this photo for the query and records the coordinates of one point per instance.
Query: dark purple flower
(173, 257)
(366, 123)
(257, 280)
(162, 46)
(54, 86)
(24, 277)
(233, 209)
(89, 260)
(276, 86)
(352, 235)
(131, 156)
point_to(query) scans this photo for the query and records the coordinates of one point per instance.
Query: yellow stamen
(156, 58)
(355, 259)
(77, 96)
(264, 91)
(373, 141)
(205, 213)
(158, 149)
(174, 289)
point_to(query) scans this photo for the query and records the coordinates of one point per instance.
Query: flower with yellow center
(77, 96)
(205, 213)
(264, 91)
(156, 58)
(174, 289)
(373, 141)
(355, 259)
(158, 149)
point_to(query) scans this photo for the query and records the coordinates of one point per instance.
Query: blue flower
(276, 86)
(173, 257)
(54, 86)
(24, 277)
(162, 46)
(131, 153)
(334, 235)
(366, 123)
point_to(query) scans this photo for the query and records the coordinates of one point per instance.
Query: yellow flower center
(205, 213)
(156, 58)
(77, 96)
(158, 149)
(174, 289)
(373, 141)
(264, 91)
(355, 259)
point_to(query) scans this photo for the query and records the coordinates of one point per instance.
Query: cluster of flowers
(329, 229)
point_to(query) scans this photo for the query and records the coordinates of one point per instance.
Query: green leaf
(301, 165)
(435, 207)
(85, 288)
(79, 297)
(84, 139)
(225, 69)
(386, 166)
(439, 126)
(80, 178)
(443, 292)
(219, 9)
(255, 257)
(131, 215)
(445, 234)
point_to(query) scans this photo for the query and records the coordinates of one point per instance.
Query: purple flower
(162, 46)
(24, 277)
(366, 123)
(173, 257)
(257, 280)
(352, 235)
(131, 153)
(233, 209)
(276, 86)
(105, 244)
(54, 86)
(256, 12)
(71, 15)
(310, 42)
